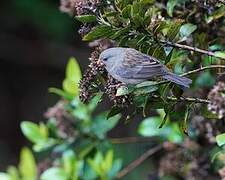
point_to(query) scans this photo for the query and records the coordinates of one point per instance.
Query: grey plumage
(132, 67)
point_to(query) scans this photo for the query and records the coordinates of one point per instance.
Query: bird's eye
(104, 59)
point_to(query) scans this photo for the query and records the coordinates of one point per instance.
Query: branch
(127, 140)
(188, 99)
(222, 1)
(203, 68)
(190, 48)
(185, 99)
(138, 161)
(194, 71)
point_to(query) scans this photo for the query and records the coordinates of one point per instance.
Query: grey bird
(133, 67)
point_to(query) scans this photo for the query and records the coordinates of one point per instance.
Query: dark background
(36, 40)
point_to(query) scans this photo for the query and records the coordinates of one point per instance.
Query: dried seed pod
(63, 123)
(217, 100)
(111, 89)
(79, 7)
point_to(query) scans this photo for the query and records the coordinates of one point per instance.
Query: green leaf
(102, 125)
(173, 133)
(170, 6)
(121, 91)
(205, 80)
(69, 161)
(126, 12)
(54, 173)
(73, 71)
(98, 32)
(220, 54)
(187, 29)
(150, 127)
(119, 33)
(73, 76)
(13, 173)
(174, 29)
(61, 93)
(32, 132)
(94, 101)
(146, 90)
(27, 165)
(146, 83)
(71, 165)
(4, 176)
(95, 163)
(108, 161)
(208, 114)
(217, 14)
(116, 167)
(70, 87)
(114, 111)
(220, 139)
(86, 18)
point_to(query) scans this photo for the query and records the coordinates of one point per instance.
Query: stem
(190, 48)
(202, 69)
(138, 161)
(188, 99)
(127, 140)
(194, 71)
(222, 1)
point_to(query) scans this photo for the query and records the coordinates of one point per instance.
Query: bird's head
(110, 57)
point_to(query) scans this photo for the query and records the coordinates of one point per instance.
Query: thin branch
(203, 68)
(185, 99)
(190, 48)
(222, 1)
(127, 140)
(138, 161)
(188, 99)
(195, 71)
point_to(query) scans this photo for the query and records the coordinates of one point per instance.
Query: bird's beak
(99, 61)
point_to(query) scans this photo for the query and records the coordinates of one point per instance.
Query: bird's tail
(181, 81)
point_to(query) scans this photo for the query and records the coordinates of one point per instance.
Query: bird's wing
(137, 65)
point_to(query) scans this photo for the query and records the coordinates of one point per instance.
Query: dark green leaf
(174, 29)
(146, 90)
(94, 101)
(120, 32)
(126, 12)
(86, 18)
(114, 111)
(98, 32)
(170, 6)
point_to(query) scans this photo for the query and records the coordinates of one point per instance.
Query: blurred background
(36, 40)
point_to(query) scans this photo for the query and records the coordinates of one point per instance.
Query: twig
(194, 71)
(190, 48)
(138, 161)
(188, 99)
(127, 140)
(203, 68)
(222, 1)
(183, 99)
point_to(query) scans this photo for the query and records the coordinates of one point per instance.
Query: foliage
(73, 137)
(184, 124)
